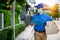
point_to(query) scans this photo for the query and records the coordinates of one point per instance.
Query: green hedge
(18, 8)
(3, 35)
(6, 34)
(18, 12)
(16, 18)
(19, 29)
(10, 34)
(7, 17)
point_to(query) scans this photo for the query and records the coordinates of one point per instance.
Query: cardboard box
(51, 28)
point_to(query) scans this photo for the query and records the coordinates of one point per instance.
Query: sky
(48, 2)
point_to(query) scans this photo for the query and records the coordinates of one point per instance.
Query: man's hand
(56, 25)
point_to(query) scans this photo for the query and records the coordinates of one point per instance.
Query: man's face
(40, 10)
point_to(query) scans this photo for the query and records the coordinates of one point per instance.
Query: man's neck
(41, 13)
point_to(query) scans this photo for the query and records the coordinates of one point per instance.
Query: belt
(39, 31)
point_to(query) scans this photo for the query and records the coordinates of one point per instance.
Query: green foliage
(19, 29)
(9, 2)
(48, 13)
(58, 14)
(6, 34)
(3, 35)
(18, 8)
(21, 2)
(16, 18)
(7, 17)
(5, 3)
(18, 12)
(7, 12)
(2, 6)
(10, 34)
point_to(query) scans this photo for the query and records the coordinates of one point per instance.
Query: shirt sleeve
(49, 18)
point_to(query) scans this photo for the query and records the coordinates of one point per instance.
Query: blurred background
(19, 14)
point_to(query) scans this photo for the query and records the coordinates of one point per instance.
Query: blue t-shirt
(40, 21)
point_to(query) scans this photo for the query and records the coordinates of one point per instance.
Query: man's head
(39, 8)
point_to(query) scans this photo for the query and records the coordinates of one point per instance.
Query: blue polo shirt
(40, 21)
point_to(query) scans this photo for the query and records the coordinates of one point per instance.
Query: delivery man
(39, 19)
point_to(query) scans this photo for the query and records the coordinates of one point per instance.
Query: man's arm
(50, 18)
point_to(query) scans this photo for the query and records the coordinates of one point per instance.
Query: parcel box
(51, 28)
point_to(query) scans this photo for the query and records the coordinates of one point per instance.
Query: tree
(54, 10)
(5, 4)
(21, 2)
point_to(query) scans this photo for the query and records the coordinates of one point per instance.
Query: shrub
(7, 17)
(6, 34)
(18, 12)
(16, 18)
(10, 34)
(3, 34)
(19, 29)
